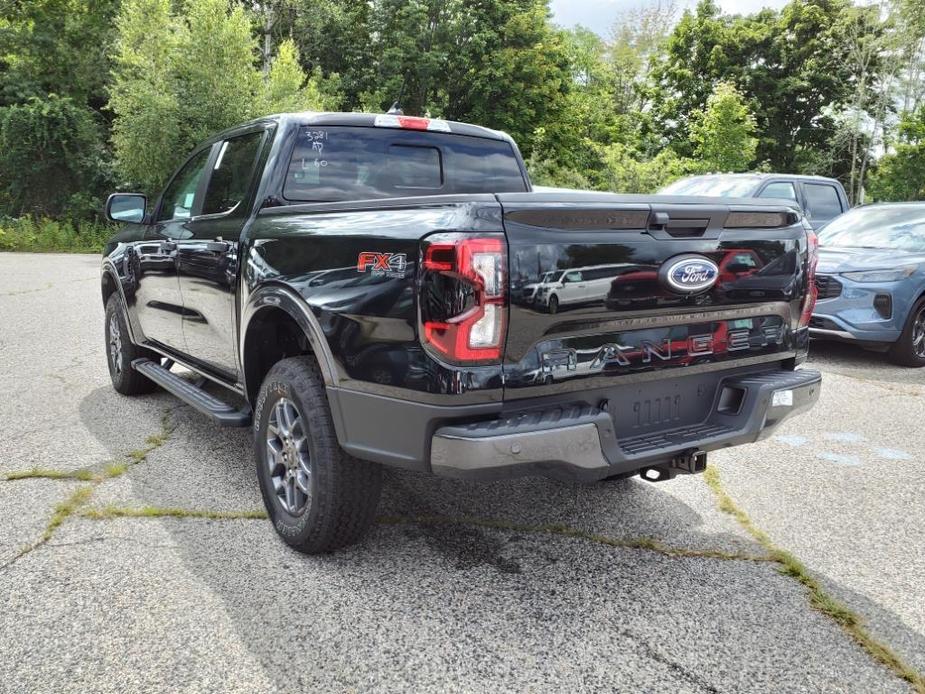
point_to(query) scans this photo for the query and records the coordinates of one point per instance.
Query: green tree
(56, 46)
(286, 88)
(900, 175)
(52, 162)
(215, 70)
(723, 133)
(509, 68)
(144, 96)
(789, 64)
(178, 78)
(625, 172)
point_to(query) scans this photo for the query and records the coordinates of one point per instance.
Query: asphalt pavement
(527, 585)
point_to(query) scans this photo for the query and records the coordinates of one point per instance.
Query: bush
(52, 159)
(625, 172)
(46, 235)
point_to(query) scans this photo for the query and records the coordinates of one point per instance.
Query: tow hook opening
(690, 462)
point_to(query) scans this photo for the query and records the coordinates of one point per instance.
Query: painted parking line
(792, 440)
(893, 454)
(839, 458)
(844, 436)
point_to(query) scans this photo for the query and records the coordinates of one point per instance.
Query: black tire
(553, 304)
(121, 351)
(344, 491)
(909, 349)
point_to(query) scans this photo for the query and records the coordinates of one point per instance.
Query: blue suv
(871, 281)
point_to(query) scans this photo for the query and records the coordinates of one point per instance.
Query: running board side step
(219, 411)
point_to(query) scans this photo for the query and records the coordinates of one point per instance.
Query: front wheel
(909, 349)
(319, 498)
(553, 304)
(121, 352)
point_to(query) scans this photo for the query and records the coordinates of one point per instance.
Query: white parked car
(582, 285)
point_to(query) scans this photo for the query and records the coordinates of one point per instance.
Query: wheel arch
(276, 324)
(109, 283)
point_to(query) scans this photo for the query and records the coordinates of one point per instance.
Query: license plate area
(658, 406)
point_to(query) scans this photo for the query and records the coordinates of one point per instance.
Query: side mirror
(126, 207)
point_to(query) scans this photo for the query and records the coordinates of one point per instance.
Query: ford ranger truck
(353, 286)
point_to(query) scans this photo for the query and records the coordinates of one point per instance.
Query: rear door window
(779, 189)
(231, 173)
(822, 201)
(180, 198)
(357, 163)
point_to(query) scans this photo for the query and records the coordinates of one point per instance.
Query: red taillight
(464, 302)
(812, 292)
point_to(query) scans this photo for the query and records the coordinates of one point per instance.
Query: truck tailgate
(591, 305)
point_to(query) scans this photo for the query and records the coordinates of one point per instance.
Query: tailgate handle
(682, 228)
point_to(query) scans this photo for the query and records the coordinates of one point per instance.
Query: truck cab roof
(369, 120)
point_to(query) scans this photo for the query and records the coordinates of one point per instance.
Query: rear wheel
(121, 352)
(909, 349)
(319, 498)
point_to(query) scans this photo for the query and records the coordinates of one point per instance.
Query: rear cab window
(332, 163)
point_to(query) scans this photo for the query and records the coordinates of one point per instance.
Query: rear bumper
(579, 442)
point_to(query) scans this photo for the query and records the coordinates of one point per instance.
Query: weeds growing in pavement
(820, 600)
(158, 512)
(82, 495)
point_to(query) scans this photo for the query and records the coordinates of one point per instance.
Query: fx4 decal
(382, 264)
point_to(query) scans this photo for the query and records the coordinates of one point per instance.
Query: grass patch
(643, 543)
(37, 473)
(64, 510)
(110, 512)
(819, 599)
(109, 471)
(48, 235)
(82, 495)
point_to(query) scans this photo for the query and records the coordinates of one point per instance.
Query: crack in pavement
(48, 286)
(107, 538)
(641, 543)
(82, 495)
(103, 471)
(789, 565)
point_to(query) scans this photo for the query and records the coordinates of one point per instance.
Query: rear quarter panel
(368, 315)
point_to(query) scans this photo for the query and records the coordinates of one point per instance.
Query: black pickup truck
(356, 287)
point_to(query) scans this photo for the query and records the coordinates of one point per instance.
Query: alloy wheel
(918, 335)
(288, 458)
(115, 344)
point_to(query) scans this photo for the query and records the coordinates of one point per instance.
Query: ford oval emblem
(689, 274)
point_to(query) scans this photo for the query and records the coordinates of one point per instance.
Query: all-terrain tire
(121, 351)
(909, 349)
(344, 491)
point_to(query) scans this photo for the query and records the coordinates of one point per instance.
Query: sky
(599, 15)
